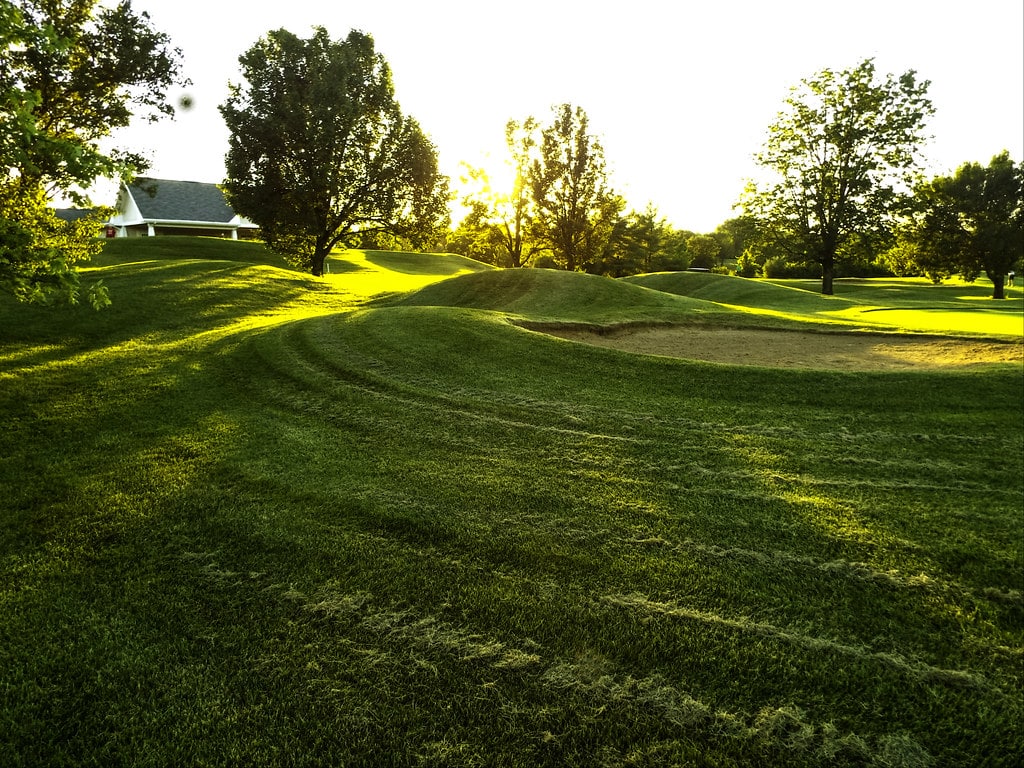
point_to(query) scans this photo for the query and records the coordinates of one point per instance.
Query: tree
(476, 236)
(575, 209)
(973, 221)
(38, 251)
(70, 73)
(320, 152)
(517, 215)
(839, 153)
(497, 219)
(703, 251)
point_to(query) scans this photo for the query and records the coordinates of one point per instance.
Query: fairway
(797, 349)
(388, 517)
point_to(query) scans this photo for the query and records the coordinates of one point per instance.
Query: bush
(779, 269)
(746, 266)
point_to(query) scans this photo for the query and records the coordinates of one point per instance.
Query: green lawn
(255, 518)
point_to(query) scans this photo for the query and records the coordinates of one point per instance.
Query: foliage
(840, 152)
(517, 211)
(972, 221)
(575, 208)
(72, 71)
(703, 251)
(498, 228)
(476, 236)
(736, 235)
(641, 241)
(746, 266)
(320, 153)
(38, 251)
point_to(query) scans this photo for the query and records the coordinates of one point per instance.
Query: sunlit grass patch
(972, 320)
(371, 274)
(910, 304)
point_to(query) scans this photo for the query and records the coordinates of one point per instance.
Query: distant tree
(516, 212)
(476, 236)
(904, 258)
(641, 241)
(735, 235)
(645, 235)
(575, 208)
(703, 251)
(504, 218)
(973, 221)
(320, 152)
(71, 71)
(839, 152)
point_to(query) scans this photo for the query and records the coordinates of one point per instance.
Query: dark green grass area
(248, 523)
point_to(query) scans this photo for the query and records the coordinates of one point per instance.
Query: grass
(904, 304)
(255, 518)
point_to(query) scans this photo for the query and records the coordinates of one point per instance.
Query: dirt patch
(798, 349)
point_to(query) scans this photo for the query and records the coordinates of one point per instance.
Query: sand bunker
(797, 349)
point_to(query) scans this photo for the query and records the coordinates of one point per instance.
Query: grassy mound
(251, 517)
(552, 295)
(726, 289)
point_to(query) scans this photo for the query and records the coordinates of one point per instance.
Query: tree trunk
(997, 287)
(827, 258)
(828, 269)
(317, 267)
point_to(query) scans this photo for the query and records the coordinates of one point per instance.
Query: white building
(149, 207)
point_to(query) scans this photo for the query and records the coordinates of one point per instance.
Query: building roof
(168, 200)
(72, 214)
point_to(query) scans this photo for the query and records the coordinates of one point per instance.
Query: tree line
(321, 155)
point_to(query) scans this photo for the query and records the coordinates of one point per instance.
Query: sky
(679, 93)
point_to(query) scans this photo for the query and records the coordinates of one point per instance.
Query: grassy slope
(898, 304)
(253, 518)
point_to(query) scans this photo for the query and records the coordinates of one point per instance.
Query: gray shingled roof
(72, 214)
(166, 200)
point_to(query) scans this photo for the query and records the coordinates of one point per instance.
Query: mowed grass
(251, 517)
(906, 304)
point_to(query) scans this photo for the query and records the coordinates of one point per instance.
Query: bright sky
(680, 93)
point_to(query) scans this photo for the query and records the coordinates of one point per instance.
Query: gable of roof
(168, 200)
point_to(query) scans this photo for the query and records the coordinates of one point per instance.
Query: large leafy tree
(839, 157)
(575, 208)
(71, 71)
(320, 152)
(973, 221)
